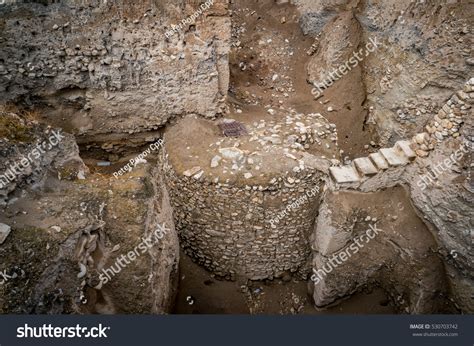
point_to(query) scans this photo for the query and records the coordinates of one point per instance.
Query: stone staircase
(402, 153)
(443, 125)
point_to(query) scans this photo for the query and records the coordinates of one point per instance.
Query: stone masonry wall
(227, 229)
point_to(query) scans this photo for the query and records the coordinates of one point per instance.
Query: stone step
(365, 166)
(378, 161)
(394, 157)
(405, 148)
(344, 174)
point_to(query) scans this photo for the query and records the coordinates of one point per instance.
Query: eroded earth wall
(115, 67)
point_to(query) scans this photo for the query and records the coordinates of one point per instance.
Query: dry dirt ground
(279, 296)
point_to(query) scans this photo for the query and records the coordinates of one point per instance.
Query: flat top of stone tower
(292, 145)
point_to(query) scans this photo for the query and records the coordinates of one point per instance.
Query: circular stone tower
(245, 194)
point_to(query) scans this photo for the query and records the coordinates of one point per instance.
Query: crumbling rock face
(66, 234)
(422, 59)
(415, 81)
(316, 13)
(109, 67)
(335, 73)
(444, 200)
(425, 58)
(61, 244)
(340, 38)
(447, 202)
(29, 151)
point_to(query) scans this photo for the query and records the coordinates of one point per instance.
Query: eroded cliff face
(63, 245)
(30, 150)
(316, 13)
(109, 68)
(442, 204)
(425, 58)
(438, 177)
(443, 193)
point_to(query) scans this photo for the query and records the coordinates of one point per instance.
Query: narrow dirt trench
(269, 60)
